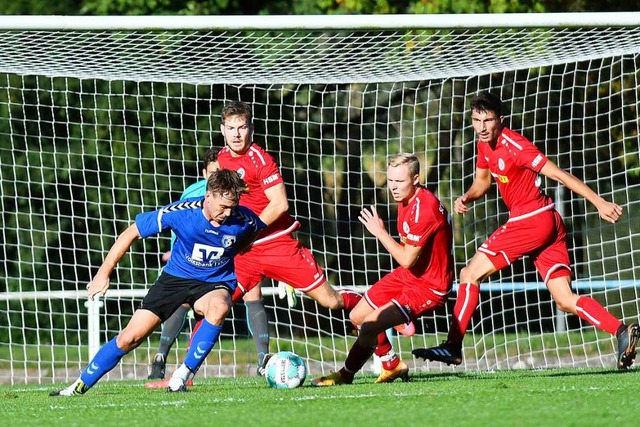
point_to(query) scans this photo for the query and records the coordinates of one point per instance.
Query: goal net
(102, 118)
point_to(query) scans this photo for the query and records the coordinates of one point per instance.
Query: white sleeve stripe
(415, 219)
(512, 142)
(160, 220)
(257, 153)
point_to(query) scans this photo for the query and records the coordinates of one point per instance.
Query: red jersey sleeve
(269, 173)
(531, 157)
(417, 221)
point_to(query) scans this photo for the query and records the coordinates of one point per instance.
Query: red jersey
(425, 222)
(515, 164)
(260, 171)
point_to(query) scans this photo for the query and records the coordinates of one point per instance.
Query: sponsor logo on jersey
(536, 161)
(271, 178)
(502, 178)
(413, 237)
(206, 255)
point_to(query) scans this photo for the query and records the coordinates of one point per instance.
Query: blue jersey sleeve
(149, 223)
(252, 224)
(167, 217)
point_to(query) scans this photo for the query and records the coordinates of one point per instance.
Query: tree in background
(304, 7)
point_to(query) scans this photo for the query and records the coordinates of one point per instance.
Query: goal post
(104, 117)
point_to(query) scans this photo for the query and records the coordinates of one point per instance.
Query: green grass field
(567, 397)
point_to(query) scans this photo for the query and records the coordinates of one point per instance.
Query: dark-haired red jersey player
(534, 228)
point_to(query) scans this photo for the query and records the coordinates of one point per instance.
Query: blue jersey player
(209, 231)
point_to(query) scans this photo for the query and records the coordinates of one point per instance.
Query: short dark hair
(487, 102)
(210, 156)
(227, 183)
(237, 108)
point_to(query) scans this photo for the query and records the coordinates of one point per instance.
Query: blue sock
(105, 360)
(201, 344)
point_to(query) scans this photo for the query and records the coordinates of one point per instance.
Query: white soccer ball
(285, 370)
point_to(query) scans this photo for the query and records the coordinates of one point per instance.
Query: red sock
(590, 310)
(384, 350)
(350, 298)
(356, 359)
(466, 304)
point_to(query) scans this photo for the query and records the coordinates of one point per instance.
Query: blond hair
(408, 159)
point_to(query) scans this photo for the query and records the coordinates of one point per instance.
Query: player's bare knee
(355, 318)
(127, 341)
(565, 305)
(335, 304)
(332, 301)
(216, 313)
(467, 275)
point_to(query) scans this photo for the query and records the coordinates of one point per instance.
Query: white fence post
(93, 315)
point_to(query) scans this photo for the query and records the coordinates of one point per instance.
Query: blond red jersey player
(419, 285)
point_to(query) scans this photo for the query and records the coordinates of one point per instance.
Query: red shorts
(283, 259)
(412, 298)
(541, 236)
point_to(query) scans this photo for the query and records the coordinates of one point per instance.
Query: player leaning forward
(419, 285)
(209, 231)
(534, 228)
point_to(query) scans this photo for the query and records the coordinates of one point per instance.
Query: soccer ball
(285, 370)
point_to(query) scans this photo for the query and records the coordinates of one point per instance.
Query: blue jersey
(201, 251)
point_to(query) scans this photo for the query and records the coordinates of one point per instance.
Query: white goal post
(104, 117)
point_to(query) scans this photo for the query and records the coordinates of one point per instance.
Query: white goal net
(102, 118)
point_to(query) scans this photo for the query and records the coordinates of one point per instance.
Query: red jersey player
(418, 286)
(534, 228)
(275, 253)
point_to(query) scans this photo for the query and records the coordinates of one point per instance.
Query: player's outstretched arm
(100, 283)
(608, 211)
(479, 187)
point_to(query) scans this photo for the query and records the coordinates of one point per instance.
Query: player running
(418, 286)
(534, 228)
(210, 231)
(256, 315)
